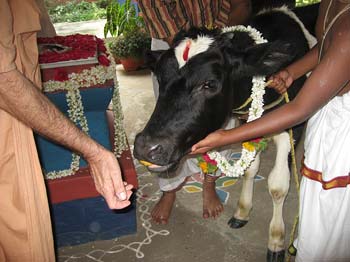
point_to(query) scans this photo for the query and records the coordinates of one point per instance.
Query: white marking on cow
(245, 202)
(278, 184)
(196, 46)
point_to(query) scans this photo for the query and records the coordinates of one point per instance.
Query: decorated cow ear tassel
(186, 50)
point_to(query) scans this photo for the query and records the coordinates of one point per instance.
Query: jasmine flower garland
(253, 33)
(249, 149)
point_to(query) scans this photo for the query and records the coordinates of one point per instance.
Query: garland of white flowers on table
(249, 150)
(95, 75)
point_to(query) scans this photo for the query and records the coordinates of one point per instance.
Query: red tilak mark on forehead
(187, 49)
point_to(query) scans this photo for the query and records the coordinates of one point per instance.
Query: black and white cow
(201, 82)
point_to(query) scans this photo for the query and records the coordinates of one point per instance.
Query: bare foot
(162, 210)
(212, 206)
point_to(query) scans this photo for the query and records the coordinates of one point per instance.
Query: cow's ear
(151, 58)
(268, 58)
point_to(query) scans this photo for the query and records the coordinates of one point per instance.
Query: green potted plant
(130, 47)
(120, 18)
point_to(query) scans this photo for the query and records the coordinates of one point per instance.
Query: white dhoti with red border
(324, 224)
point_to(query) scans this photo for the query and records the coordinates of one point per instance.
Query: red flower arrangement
(209, 160)
(207, 165)
(77, 46)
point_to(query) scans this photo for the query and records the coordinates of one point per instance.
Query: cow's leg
(245, 202)
(278, 183)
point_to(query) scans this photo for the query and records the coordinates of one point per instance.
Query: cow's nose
(145, 149)
(155, 152)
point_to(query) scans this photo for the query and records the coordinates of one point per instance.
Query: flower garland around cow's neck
(212, 160)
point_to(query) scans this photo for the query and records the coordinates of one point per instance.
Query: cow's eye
(206, 85)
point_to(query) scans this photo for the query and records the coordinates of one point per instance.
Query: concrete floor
(187, 237)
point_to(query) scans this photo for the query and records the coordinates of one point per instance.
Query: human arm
(324, 83)
(24, 101)
(20, 98)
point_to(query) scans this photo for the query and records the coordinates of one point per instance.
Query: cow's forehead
(190, 47)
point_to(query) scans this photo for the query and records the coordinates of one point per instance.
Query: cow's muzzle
(159, 169)
(155, 154)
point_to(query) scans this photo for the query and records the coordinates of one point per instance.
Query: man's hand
(281, 81)
(108, 180)
(213, 140)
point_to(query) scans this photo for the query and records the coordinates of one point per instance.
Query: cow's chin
(167, 167)
(160, 169)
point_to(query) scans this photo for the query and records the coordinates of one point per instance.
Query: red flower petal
(103, 60)
(256, 140)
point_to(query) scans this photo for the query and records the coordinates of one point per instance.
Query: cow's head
(197, 80)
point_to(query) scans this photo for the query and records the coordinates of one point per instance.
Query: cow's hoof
(275, 256)
(237, 223)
